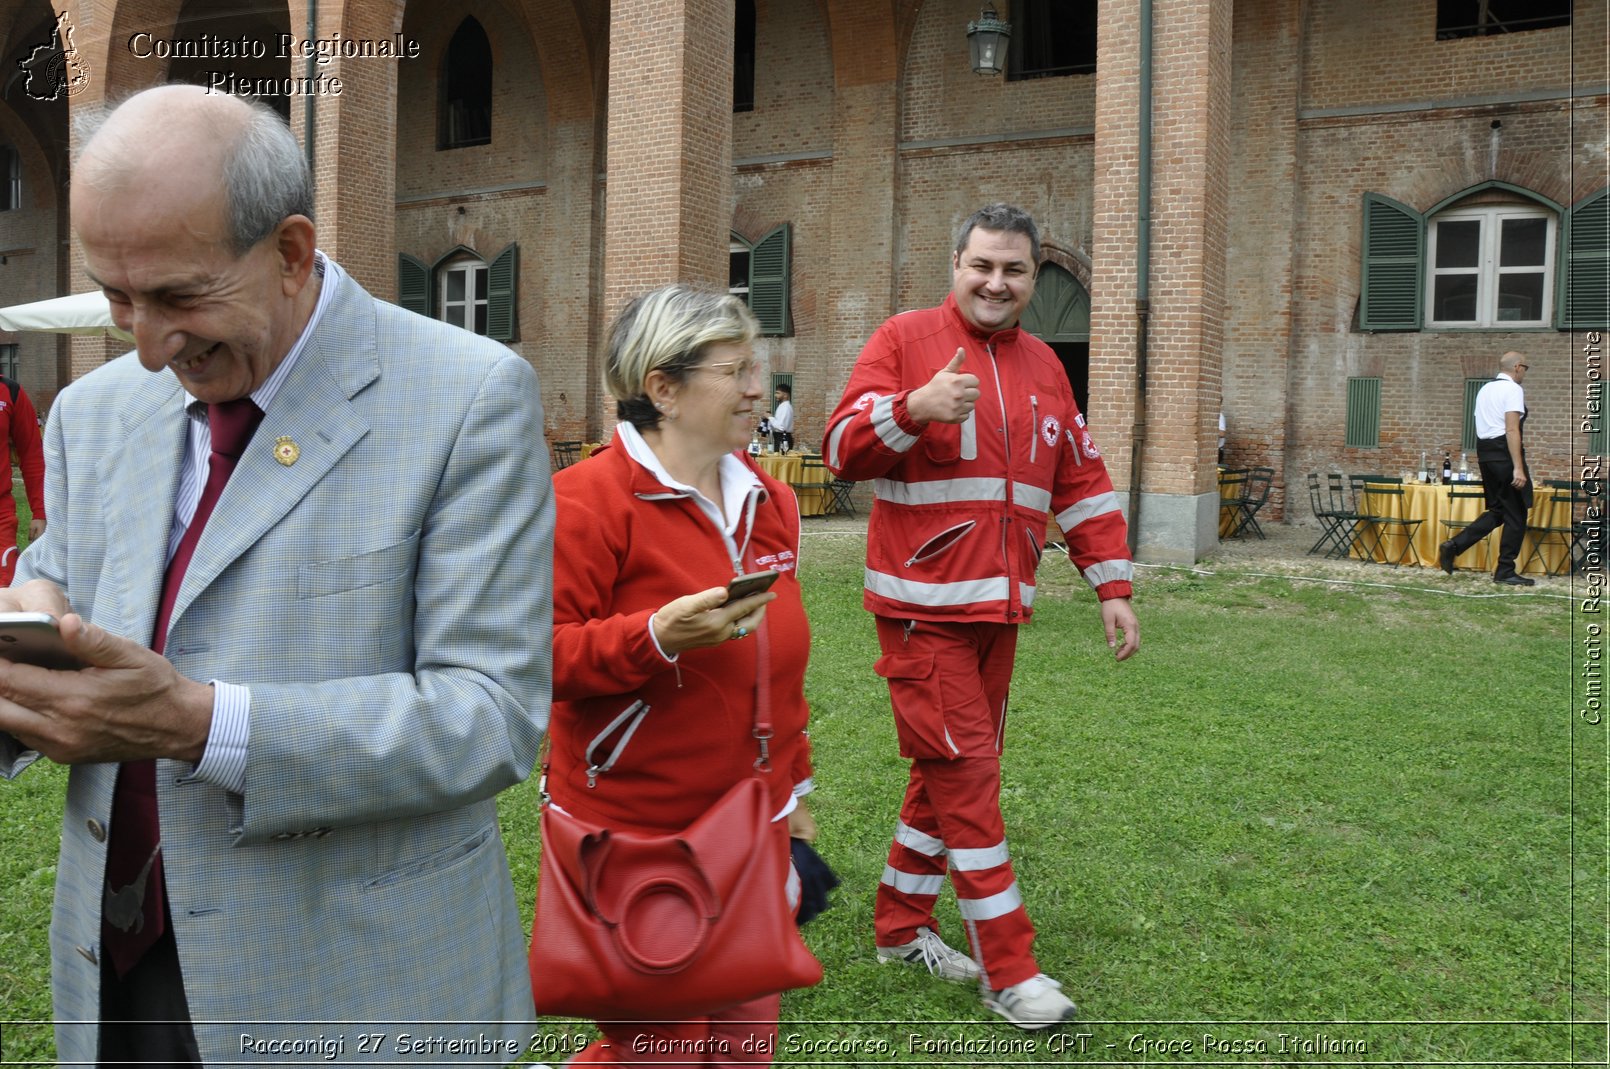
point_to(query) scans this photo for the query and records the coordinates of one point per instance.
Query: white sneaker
(945, 962)
(1036, 1003)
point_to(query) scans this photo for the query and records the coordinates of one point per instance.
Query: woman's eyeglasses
(740, 371)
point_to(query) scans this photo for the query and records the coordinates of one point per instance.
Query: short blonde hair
(667, 330)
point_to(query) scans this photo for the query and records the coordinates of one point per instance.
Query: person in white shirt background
(782, 419)
(1500, 416)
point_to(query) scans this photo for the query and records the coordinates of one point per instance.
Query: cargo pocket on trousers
(919, 718)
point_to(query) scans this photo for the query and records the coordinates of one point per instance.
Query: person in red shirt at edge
(656, 675)
(19, 425)
(968, 428)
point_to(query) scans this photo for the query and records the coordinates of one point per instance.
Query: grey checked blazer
(387, 598)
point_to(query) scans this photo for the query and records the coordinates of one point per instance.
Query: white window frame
(739, 290)
(471, 307)
(1488, 273)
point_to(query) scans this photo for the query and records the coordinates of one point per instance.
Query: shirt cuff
(223, 762)
(652, 637)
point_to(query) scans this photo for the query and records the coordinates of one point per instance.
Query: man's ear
(294, 243)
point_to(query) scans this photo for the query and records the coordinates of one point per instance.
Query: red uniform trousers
(948, 684)
(745, 1034)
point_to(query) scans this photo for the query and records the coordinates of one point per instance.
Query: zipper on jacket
(1006, 515)
(1034, 427)
(941, 542)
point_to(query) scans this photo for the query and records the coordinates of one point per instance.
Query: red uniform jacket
(958, 516)
(626, 545)
(19, 425)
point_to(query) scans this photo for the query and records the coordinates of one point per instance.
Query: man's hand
(801, 825)
(1117, 614)
(36, 527)
(948, 397)
(129, 704)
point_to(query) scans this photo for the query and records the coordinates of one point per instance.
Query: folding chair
(1330, 522)
(1380, 499)
(1254, 493)
(565, 454)
(815, 486)
(1349, 520)
(1232, 488)
(1562, 514)
(842, 500)
(1458, 492)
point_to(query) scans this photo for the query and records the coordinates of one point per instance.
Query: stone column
(669, 146)
(1178, 501)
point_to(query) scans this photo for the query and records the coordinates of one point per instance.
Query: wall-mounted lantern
(986, 39)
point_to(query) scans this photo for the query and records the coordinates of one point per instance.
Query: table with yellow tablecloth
(1430, 504)
(788, 468)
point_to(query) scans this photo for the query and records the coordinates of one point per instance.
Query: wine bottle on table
(1447, 468)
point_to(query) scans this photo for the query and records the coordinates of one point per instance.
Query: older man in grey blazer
(354, 623)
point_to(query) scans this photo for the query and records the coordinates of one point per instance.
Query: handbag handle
(687, 881)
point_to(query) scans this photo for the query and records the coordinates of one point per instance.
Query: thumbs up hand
(948, 397)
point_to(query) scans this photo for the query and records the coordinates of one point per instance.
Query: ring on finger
(739, 631)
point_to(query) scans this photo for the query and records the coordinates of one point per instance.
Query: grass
(1366, 819)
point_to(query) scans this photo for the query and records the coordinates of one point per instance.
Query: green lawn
(1368, 820)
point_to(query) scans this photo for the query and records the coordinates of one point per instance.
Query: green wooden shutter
(768, 282)
(502, 293)
(1586, 300)
(1472, 388)
(1394, 265)
(1364, 412)
(413, 284)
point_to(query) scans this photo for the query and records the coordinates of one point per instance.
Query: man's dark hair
(785, 389)
(1002, 217)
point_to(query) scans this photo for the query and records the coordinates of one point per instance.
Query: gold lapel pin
(286, 451)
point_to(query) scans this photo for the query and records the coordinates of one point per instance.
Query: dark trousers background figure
(1506, 505)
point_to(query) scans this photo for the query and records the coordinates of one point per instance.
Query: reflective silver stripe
(910, 884)
(887, 429)
(920, 841)
(833, 439)
(1025, 594)
(987, 909)
(1031, 497)
(969, 448)
(940, 594)
(951, 742)
(1107, 571)
(1089, 508)
(939, 491)
(984, 857)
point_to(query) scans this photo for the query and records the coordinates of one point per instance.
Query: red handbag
(664, 927)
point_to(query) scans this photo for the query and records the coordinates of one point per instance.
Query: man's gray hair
(1004, 218)
(266, 177)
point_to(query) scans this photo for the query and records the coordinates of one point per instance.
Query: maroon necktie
(133, 915)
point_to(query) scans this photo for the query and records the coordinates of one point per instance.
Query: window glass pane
(738, 270)
(1454, 299)
(480, 319)
(1522, 241)
(455, 285)
(1458, 242)
(1520, 296)
(480, 283)
(454, 315)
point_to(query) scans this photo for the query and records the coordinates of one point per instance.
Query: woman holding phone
(657, 674)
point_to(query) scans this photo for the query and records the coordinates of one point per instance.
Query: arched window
(1051, 38)
(464, 113)
(743, 56)
(1489, 257)
(463, 289)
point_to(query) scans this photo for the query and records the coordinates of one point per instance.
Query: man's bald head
(240, 149)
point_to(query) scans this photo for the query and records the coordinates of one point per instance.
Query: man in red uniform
(19, 425)
(969, 428)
